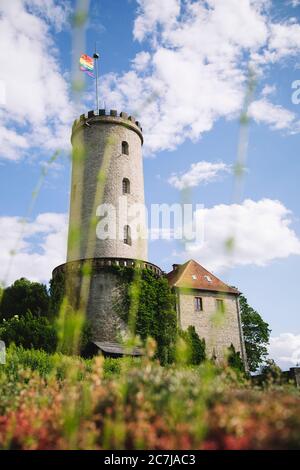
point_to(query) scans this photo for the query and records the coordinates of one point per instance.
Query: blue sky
(190, 58)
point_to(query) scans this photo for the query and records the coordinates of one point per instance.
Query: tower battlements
(110, 117)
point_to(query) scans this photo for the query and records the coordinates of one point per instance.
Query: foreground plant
(126, 404)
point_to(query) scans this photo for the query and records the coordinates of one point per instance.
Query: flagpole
(96, 57)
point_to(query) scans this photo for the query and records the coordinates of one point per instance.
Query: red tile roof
(192, 275)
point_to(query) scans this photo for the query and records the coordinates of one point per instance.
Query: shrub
(23, 296)
(271, 372)
(147, 304)
(129, 404)
(195, 346)
(30, 332)
(85, 338)
(234, 359)
(112, 367)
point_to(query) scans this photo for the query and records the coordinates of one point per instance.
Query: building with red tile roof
(210, 305)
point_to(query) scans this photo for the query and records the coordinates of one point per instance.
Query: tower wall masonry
(107, 148)
(99, 167)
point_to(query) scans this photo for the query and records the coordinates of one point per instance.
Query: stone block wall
(218, 329)
(100, 289)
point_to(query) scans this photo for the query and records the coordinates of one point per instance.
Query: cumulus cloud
(197, 66)
(141, 61)
(284, 40)
(199, 173)
(32, 249)
(277, 117)
(52, 11)
(254, 232)
(153, 14)
(285, 350)
(36, 112)
(268, 90)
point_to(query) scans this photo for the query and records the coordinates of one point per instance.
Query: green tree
(234, 359)
(271, 372)
(154, 314)
(256, 335)
(29, 332)
(57, 292)
(23, 296)
(195, 346)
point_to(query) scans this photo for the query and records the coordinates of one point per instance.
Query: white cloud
(54, 12)
(261, 232)
(155, 13)
(284, 40)
(269, 90)
(277, 117)
(141, 61)
(37, 111)
(2, 92)
(196, 69)
(201, 172)
(285, 350)
(38, 246)
(12, 142)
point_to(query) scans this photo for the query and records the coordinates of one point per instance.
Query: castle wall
(103, 289)
(218, 329)
(100, 288)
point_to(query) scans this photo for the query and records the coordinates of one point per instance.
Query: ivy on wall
(145, 302)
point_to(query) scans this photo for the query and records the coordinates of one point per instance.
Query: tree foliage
(147, 304)
(29, 332)
(195, 346)
(24, 296)
(234, 359)
(256, 335)
(57, 292)
(271, 372)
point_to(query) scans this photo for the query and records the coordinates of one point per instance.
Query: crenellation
(108, 116)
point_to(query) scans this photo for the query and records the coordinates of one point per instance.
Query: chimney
(175, 266)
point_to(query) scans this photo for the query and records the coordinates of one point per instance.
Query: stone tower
(107, 177)
(112, 168)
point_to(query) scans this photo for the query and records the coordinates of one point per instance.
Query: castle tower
(107, 166)
(107, 182)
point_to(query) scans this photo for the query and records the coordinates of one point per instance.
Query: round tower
(107, 223)
(107, 188)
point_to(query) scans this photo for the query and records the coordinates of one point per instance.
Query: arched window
(126, 186)
(125, 148)
(127, 235)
